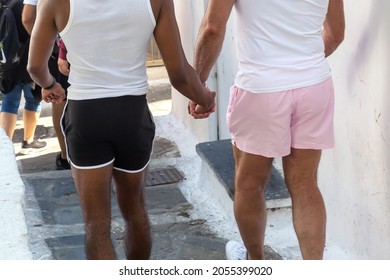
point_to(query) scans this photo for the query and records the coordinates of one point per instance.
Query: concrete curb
(13, 229)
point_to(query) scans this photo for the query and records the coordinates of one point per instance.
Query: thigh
(94, 191)
(312, 119)
(116, 130)
(259, 123)
(134, 138)
(129, 190)
(86, 128)
(251, 171)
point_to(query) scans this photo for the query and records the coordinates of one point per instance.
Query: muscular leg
(8, 123)
(130, 196)
(251, 177)
(94, 190)
(57, 110)
(309, 215)
(30, 120)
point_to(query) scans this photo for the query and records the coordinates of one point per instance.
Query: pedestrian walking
(15, 80)
(281, 105)
(107, 123)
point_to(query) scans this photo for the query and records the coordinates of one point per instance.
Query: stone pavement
(53, 214)
(55, 223)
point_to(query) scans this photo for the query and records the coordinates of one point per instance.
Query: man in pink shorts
(281, 105)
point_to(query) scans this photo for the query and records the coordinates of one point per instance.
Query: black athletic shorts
(117, 130)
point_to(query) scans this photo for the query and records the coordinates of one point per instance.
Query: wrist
(52, 85)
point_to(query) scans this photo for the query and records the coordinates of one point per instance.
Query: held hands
(54, 95)
(199, 111)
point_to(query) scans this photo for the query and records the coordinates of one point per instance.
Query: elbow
(338, 38)
(28, 23)
(336, 41)
(33, 70)
(178, 79)
(212, 31)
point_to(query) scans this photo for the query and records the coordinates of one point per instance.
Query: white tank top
(279, 44)
(107, 42)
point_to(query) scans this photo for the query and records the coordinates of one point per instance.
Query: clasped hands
(199, 111)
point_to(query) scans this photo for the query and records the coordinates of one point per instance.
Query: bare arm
(211, 36)
(209, 43)
(28, 17)
(334, 26)
(182, 76)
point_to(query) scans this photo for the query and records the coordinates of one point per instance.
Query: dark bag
(13, 53)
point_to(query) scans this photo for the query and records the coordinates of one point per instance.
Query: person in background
(281, 105)
(28, 19)
(108, 126)
(63, 64)
(11, 98)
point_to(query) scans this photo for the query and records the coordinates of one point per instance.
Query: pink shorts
(269, 124)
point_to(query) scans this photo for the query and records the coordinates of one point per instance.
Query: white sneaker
(235, 250)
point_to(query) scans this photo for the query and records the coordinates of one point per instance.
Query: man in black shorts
(108, 126)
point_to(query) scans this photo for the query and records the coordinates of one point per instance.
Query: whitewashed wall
(355, 175)
(189, 14)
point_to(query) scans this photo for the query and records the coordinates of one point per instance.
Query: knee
(31, 104)
(298, 184)
(11, 102)
(251, 184)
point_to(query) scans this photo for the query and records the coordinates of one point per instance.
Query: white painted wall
(355, 175)
(189, 14)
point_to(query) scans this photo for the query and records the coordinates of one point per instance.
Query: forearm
(41, 46)
(331, 43)
(28, 17)
(40, 74)
(334, 26)
(187, 82)
(208, 47)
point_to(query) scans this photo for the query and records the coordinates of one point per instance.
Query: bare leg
(8, 123)
(130, 196)
(57, 110)
(251, 177)
(309, 215)
(94, 190)
(30, 120)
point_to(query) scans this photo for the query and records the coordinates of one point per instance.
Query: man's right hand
(54, 95)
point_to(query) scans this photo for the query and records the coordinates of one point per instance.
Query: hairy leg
(94, 190)
(130, 196)
(251, 177)
(309, 215)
